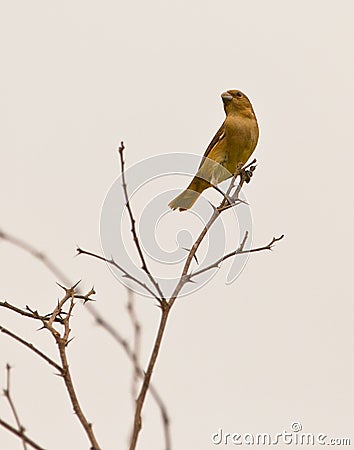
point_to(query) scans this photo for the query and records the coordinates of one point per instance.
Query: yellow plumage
(234, 143)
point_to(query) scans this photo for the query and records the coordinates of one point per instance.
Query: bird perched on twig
(233, 144)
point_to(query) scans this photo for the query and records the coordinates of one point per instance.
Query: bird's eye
(238, 94)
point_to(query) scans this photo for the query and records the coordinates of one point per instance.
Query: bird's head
(237, 102)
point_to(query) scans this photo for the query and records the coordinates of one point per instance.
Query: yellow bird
(233, 143)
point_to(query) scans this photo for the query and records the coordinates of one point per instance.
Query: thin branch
(69, 293)
(62, 342)
(20, 435)
(133, 358)
(146, 381)
(31, 347)
(239, 251)
(182, 281)
(184, 278)
(111, 261)
(27, 313)
(53, 268)
(136, 340)
(133, 228)
(7, 394)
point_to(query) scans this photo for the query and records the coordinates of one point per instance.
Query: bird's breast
(241, 140)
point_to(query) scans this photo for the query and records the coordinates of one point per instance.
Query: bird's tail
(187, 198)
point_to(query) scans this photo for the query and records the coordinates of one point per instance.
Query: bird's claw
(247, 174)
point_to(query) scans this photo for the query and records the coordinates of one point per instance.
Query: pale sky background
(272, 348)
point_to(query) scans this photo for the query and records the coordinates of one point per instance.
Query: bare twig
(54, 269)
(185, 277)
(20, 435)
(31, 347)
(238, 251)
(133, 228)
(7, 394)
(62, 342)
(27, 313)
(146, 380)
(133, 358)
(111, 261)
(136, 340)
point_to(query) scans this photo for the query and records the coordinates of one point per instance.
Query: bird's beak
(226, 96)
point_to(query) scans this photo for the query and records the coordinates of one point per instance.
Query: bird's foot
(247, 174)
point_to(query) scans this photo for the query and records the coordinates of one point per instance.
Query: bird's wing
(217, 138)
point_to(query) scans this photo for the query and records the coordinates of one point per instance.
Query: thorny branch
(133, 358)
(111, 262)
(62, 341)
(229, 200)
(25, 313)
(31, 347)
(131, 353)
(238, 251)
(133, 228)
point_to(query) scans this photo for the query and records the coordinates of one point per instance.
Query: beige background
(272, 348)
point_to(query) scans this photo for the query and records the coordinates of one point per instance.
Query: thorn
(69, 341)
(196, 259)
(243, 201)
(64, 288)
(213, 206)
(76, 284)
(188, 278)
